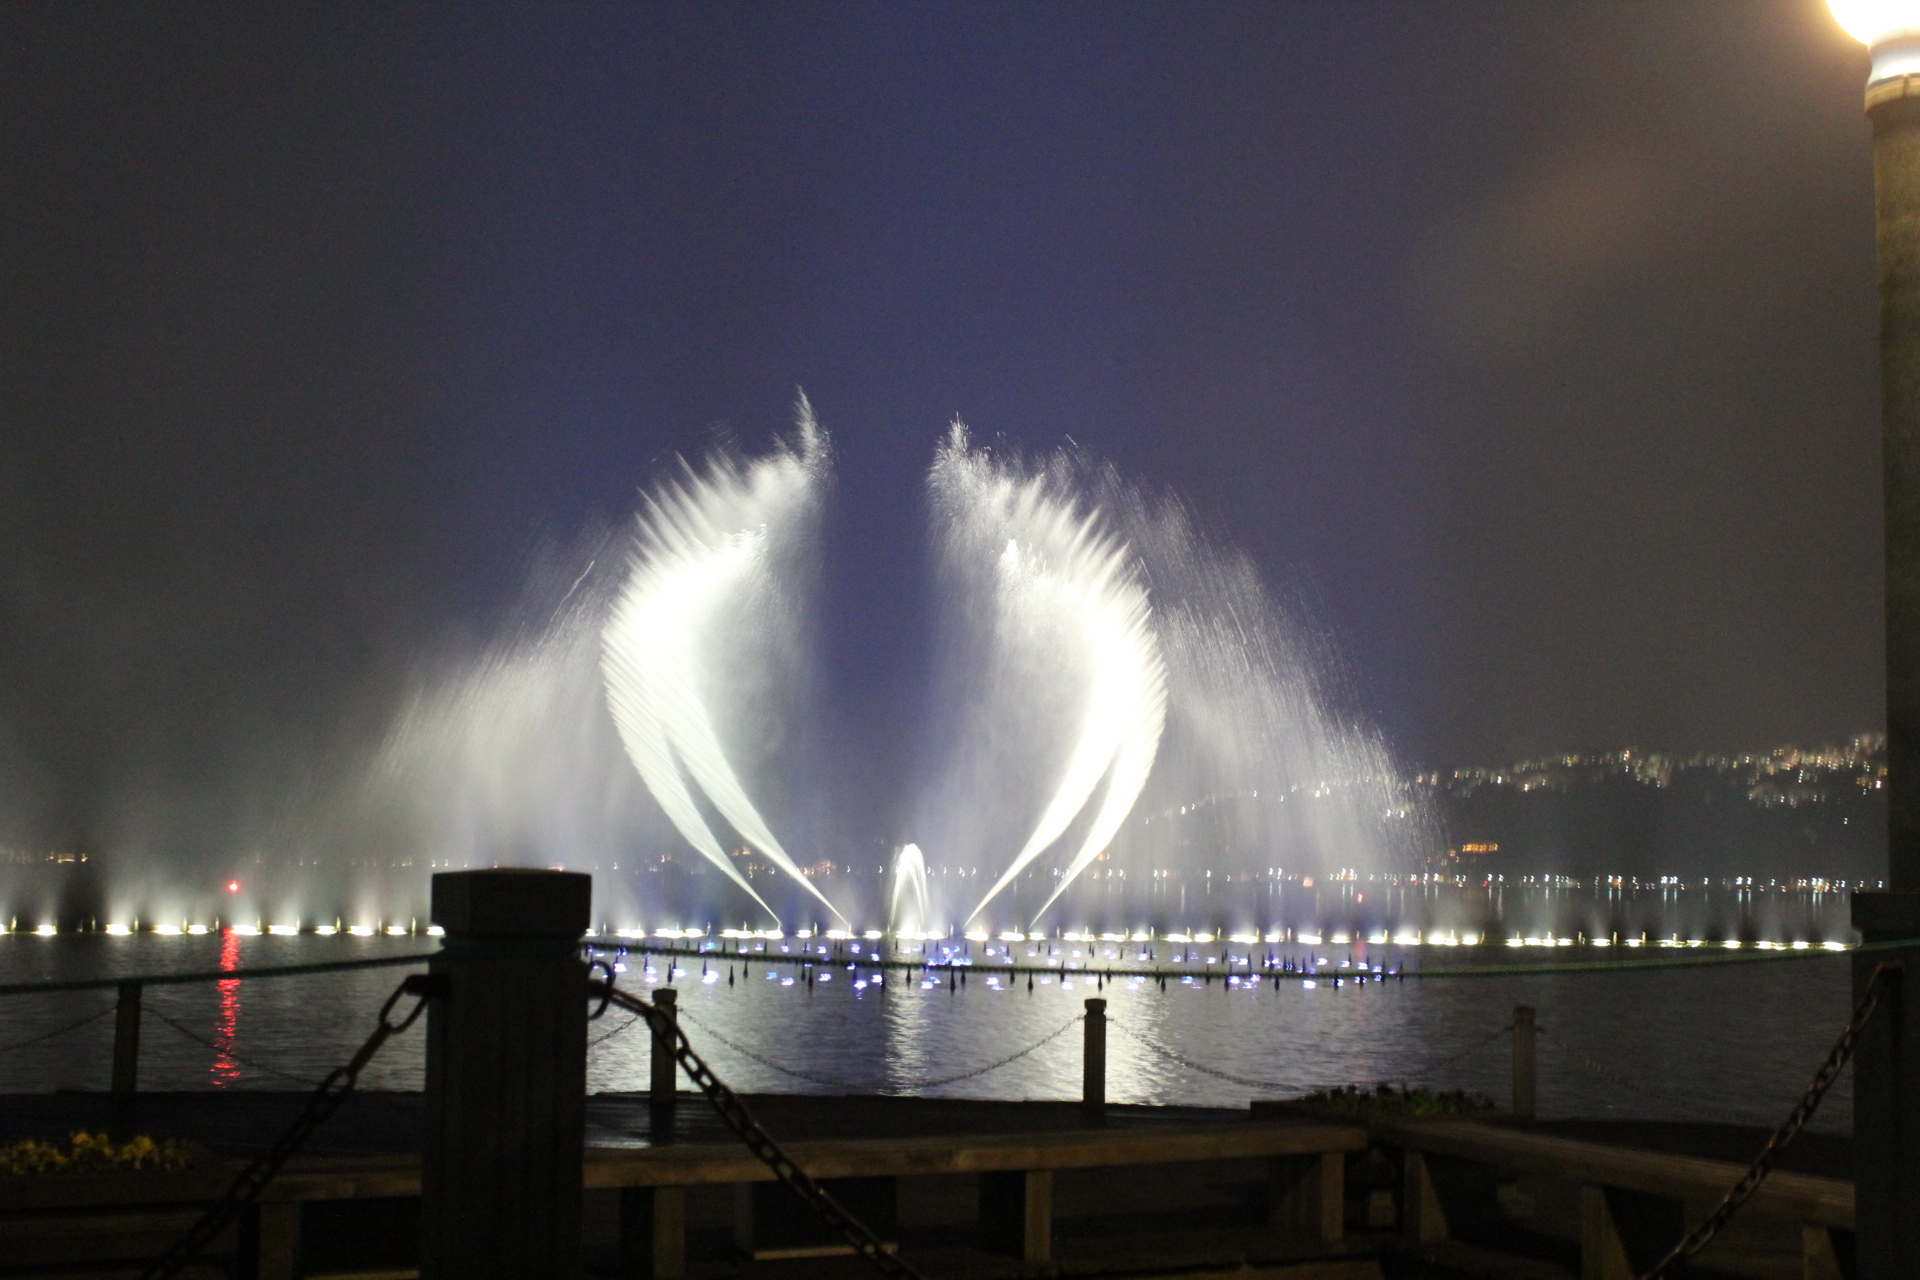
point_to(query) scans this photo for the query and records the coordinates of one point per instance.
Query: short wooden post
(1309, 1194)
(126, 1042)
(1016, 1213)
(1093, 1073)
(1525, 1060)
(1333, 1195)
(270, 1237)
(653, 1232)
(1622, 1233)
(1819, 1260)
(664, 1081)
(506, 1080)
(1422, 1219)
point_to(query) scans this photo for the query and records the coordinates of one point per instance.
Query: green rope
(210, 975)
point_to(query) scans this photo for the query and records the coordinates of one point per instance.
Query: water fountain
(1102, 666)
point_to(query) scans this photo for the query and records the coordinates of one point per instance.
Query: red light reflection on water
(225, 1070)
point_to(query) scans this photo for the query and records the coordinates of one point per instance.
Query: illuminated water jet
(1061, 593)
(704, 569)
(909, 910)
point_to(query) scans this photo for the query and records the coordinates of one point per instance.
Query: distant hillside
(1790, 814)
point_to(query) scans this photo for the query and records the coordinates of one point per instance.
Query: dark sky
(1533, 344)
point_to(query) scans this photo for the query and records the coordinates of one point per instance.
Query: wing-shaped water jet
(1061, 587)
(703, 565)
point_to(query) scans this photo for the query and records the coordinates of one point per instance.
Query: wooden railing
(121, 1218)
(1632, 1200)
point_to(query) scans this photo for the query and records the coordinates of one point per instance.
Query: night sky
(1533, 346)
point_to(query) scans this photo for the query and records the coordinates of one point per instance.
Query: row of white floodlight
(1405, 938)
(241, 930)
(1381, 938)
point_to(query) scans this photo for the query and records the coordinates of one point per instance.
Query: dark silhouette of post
(1093, 1063)
(1887, 1060)
(126, 1041)
(663, 1085)
(506, 1077)
(1526, 1099)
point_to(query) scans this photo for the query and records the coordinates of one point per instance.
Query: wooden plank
(373, 1177)
(1824, 1201)
(707, 1164)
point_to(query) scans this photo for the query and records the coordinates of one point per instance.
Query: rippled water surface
(1735, 1042)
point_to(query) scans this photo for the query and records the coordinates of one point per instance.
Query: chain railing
(57, 1031)
(933, 1083)
(1250, 1082)
(227, 1051)
(1183, 1060)
(1823, 1080)
(736, 1117)
(326, 1098)
(1594, 1067)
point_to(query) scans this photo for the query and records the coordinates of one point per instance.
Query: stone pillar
(506, 1078)
(1887, 1059)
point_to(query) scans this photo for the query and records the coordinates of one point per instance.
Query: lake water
(1735, 1042)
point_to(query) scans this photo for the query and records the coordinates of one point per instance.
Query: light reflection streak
(225, 1071)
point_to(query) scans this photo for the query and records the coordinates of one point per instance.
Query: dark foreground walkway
(1199, 1220)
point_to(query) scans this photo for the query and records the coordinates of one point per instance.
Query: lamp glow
(1889, 28)
(1871, 21)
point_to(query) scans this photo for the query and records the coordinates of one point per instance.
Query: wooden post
(1525, 1059)
(1422, 1218)
(1309, 1194)
(1093, 1073)
(1016, 1213)
(1819, 1260)
(1622, 1233)
(502, 1163)
(653, 1232)
(126, 1042)
(270, 1237)
(663, 1083)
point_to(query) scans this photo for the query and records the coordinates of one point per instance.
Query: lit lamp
(1891, 31)
(1887, 1059)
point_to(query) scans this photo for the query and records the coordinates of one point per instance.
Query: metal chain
(1789, 1129)
(245, 1062)
(58, 1031)
(247, 1185)
(1189, 1063)
(934, 1083)
(605, 1036)
(1252, 1083)
(760, 1143)
(1595, 1067)
(1465, 1053)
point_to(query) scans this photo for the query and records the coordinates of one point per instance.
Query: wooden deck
(1280, 1195)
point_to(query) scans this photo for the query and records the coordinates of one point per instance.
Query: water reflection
(225, 1071)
